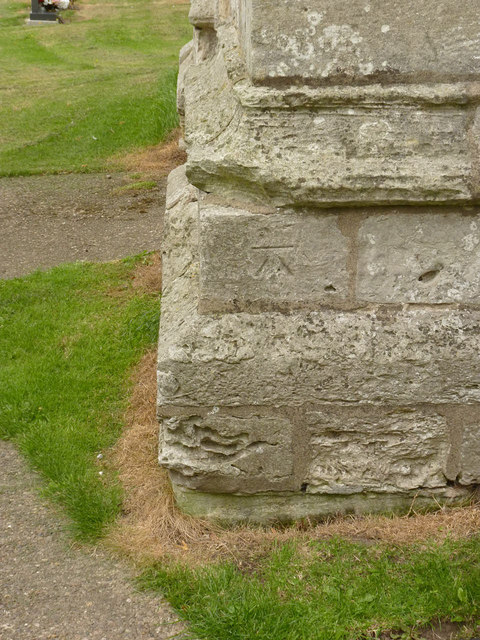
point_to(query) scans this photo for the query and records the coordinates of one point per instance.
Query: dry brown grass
(147, 277)
(156, 161)
(152, 528)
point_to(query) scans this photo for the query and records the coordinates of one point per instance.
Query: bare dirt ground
(47, 220)
(53, 591)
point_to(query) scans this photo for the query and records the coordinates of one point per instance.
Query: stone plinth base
(308, 363)
(267, 508)
(320, 323)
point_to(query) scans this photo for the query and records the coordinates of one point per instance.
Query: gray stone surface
(265, 508)
(202, 13)
(355, 154)
(470, 454)
(371, 399)
(363, 40)
(318, 337)
(386, 452)
(260, 262)
(408, 136)
(241, 448)
(431, 257)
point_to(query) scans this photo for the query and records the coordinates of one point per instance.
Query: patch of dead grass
(156, 161)
(147, 277)
(152, 528)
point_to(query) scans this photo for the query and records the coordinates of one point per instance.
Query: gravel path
(50, 590)
(47, 220)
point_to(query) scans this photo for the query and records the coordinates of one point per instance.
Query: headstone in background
(40, 14)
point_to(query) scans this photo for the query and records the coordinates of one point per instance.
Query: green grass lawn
(74, 95)
(69, 338)
(334, 590)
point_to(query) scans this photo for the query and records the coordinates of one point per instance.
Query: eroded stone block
(228, 452)
(363, 40)
(470, 455)
(202, 13)
(431, 257)
(256, 262)
(355, 154)
(382, 451)
(271, 359)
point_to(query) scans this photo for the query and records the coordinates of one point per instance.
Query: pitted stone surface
(414, 356)
(355, 155)
(239, 448)
(363, 40)
(260, 262)
(384, 452)
(470, 454)
(202, 13)
(346, 403)
(398, 139)
(318, 337)
(431, 257)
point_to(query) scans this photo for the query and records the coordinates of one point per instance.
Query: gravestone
(320, 332)
(40, 14)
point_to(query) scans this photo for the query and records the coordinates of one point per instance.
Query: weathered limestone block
(383, 452)
(363, 41)
(202, 13)
(261, 262)
(470, 454)
(430, 257)
(390, 117)
(246, 450)
(356, 155)
(320, 324)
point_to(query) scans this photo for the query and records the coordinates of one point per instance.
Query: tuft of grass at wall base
(68, 339)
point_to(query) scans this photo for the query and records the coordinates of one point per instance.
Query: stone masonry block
(202, 13)
(470, 455)
(356, 154)
(259, 262)
(431, 257)
(383, 451)
(374, 356)
(363, 40)
(228, 452)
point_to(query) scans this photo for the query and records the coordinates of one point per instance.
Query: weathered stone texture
(470, 455)
(265, 508)
(320, 316)
(431, 257)
(202, 13)
(363, 40)
(355, 155)
(382, 452)
(243, 450)
(259, 262)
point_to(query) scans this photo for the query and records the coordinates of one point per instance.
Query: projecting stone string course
(320, 334)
